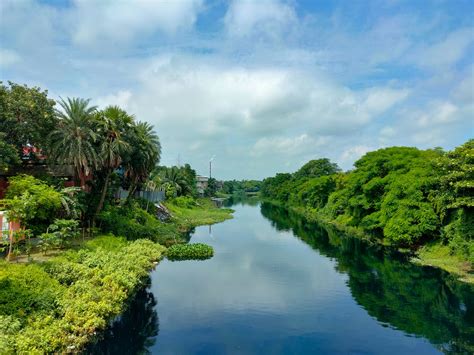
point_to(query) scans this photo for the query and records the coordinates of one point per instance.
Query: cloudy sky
(263, 85)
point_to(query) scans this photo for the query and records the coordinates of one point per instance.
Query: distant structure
(202, 183)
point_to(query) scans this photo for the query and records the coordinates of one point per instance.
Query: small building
(202, 183)
(7, 228)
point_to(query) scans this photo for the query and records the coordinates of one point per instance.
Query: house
(7, 228)
(201, 184)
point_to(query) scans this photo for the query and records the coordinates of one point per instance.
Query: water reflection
(421, 301)
(292, 287)
(135, 331)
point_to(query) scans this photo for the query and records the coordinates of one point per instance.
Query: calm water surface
(279, 285)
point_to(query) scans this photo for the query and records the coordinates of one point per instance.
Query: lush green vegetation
(188, 213)
(401, 196)
(56, 298)
(59, 305)
(236, 187)
(196, 251)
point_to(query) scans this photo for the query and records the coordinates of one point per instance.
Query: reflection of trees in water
(241, 199)
(135, 331)
(418, 300)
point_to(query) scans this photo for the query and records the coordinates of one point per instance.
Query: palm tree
(73, 142)
(174, 177)
(144, 155)
(113, 124)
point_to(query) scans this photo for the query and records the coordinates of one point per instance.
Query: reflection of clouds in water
(250, 272)
(264, 291)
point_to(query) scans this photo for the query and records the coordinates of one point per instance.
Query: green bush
(58, 306)
(132, 222)
(184, 202)
(197, 251)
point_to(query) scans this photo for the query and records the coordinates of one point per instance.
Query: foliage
(144, 154)
(59, 306)
(184, 202)
(59, 234)
(73, 141)
(133, 222)
(403, 196)
(317, 168)
(35, 201)
(8, 154)
(237, 187)
(211, 188)
(455, 202)
(176, 181)
(197, 251)
(203, 213)
(26, 115)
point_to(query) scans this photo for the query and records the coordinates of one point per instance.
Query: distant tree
(175, 179)
(211, 187)
(317, 168)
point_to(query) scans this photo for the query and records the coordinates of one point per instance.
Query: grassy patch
(197, 251)
(203, 212)
(438, 255)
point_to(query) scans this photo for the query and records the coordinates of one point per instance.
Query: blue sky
(263, 85)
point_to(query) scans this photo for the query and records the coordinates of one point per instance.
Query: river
(280, 285)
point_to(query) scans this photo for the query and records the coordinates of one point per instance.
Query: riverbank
(63, 302)
(434, 254)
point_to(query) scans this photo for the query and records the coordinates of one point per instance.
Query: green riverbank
(61, 303)
(434, 254)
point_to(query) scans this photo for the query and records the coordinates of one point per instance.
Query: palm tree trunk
(104, 192)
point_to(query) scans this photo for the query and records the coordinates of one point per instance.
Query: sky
(265, 86)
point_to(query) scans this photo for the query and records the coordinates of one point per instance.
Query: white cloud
(121, 98)
(122, 21)
(286, 146)
(246, 17)
(447, 51)
(440, 113)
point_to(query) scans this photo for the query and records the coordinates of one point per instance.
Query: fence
(152, 196)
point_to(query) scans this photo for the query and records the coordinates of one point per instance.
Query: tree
(317, 168)
(27, 115)
(455, 201)
(73, 141)
(43, 202)
(175, 179)
(113, 123)
(144, 154)
(8, 154)
(30, 202)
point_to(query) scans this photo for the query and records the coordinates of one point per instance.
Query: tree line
(402, 196)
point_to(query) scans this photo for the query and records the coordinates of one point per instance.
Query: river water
(280, 285)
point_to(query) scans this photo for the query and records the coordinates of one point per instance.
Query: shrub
(132, 222)
(197, 251)
(184, 202)
(41, 315)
